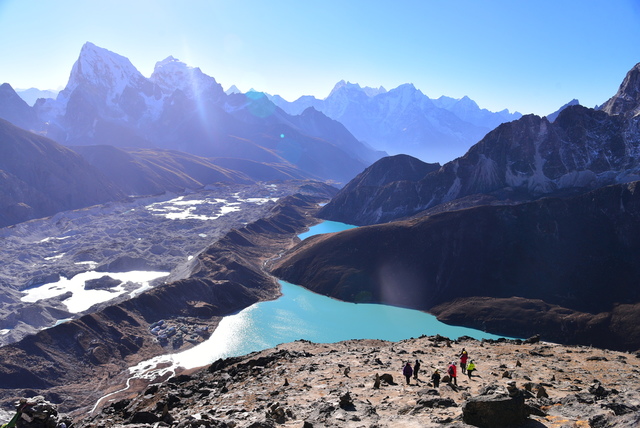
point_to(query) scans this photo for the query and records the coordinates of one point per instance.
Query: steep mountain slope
(363, 191)
(107, 101)
(626, 101)
(153, 171)
(568, 268)
(583, 149)
(260, 171)
(553, 116)
(40, 177)
(15, 110)
(404, 120)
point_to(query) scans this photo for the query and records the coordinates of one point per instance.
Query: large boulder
(495, 410)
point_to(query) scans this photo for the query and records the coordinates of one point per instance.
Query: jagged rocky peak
(467, 103)
(233, 90)
(171, 74)
(15, 109)
(626, 101)
(553, 116)
(407, 95)
(99, 67)
(348, 86)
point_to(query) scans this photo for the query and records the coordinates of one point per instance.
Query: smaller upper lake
(325, 227)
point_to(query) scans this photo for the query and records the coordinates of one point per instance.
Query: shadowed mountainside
(153, 171)
(39, 177)
(565, 268)
(394, 172)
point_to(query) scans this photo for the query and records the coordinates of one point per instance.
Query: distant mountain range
(31, 95)
(107, 101)
(139, 132)
(404, 120)
(521, 160)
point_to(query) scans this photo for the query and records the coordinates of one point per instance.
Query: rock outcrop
(626, 101)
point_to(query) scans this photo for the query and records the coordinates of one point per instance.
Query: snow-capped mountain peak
(233, 89)
(100, 67)
(372, 92)
(343, 86)
(467, 103)
(171, 74)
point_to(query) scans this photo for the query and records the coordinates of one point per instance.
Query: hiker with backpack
(435, 378)
(21, 406)
(463, 360)
(416, 368)
(407, 372)
(452, 372)
(471, 368)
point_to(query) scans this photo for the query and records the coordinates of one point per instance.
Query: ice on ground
(202, 209)
(57, 256)
(82, 299)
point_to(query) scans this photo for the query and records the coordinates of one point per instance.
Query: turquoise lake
(301, 314)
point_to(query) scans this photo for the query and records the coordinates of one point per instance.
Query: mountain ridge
(404, 120)
(107, 101)
(583, 148)
(41, 177)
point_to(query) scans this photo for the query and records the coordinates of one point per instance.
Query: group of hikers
(467, 366)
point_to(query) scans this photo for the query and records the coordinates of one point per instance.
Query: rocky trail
(305, 384)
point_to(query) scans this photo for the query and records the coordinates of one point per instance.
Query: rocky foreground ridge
(358, 383)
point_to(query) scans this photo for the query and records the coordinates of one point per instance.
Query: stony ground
(302, 384)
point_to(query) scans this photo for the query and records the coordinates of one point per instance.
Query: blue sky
(522, 55)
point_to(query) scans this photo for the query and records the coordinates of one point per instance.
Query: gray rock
(495, 411)
(103, 283)
(386, 377)
(144, 418)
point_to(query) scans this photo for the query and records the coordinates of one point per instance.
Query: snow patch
(82, 299)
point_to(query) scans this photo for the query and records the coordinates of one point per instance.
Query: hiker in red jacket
(463, 360)
(452, 372)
